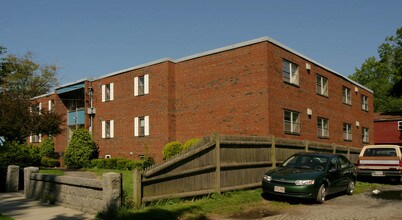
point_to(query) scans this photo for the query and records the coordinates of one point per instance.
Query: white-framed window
(290, 72)
(365, 135)
(108, 129)
(346, 95)
(322, 127)
(51, 105)
(322, 85)
(141, 85)
(141, 126)
(292, 122)
(400, 125)
(365, 103)
(347, 132)
(108, 92)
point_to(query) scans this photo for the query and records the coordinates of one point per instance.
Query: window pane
(286, 70)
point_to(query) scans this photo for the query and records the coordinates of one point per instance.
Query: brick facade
(238, 90)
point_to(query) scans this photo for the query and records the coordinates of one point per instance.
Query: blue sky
(88, 38)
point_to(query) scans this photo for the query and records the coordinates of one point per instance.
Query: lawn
(4, 217)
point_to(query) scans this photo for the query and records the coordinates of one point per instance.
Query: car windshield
(380, 152)
(306, 162)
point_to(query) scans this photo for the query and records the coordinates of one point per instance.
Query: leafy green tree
(21, 79)
(384, 75)
(81, 150)
(46, 148)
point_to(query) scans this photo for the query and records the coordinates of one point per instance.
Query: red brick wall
(299, 98)
(125, 107)
(386, 132)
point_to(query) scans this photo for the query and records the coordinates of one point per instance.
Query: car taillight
(400, 163)
(358, 162)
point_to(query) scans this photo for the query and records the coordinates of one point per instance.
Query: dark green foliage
(22, 155)
(50, 162)
(46, 148)
(121, 163)
(81, 150)
(171, 149)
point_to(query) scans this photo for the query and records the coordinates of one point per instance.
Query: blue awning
(70, 88)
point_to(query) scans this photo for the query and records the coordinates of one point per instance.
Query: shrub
(46, 149)
(111, 163)
(50, 162)
(171, 149)
(80, 150)
(131, 165)
(15, 154)
(122, 164)
(190, 142)
(147, 162)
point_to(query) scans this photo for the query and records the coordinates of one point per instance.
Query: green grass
(127, 179)
(4, 217)
(362, 187)
(51, 171)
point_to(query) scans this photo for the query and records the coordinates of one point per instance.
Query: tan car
(380, 161)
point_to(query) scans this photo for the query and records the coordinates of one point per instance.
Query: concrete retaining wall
(87, 195)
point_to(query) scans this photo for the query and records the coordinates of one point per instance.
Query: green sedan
(311, 176)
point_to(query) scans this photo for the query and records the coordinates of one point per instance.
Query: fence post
(218, 163)
(112, 191)
(137, 193)
(13, 178)
(273, 152)
(306, 143)
(27, 180)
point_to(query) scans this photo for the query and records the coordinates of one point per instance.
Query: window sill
(292, 84)
(292, 133)
(327, 137)
(348, 140)
(323, 95)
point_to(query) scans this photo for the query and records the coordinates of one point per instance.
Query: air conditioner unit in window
(357, 124)
(107, 156)
(400, 125)
(309, 112)
(356, 89)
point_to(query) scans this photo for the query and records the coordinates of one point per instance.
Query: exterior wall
(224, 92)
(125, 107)
(299, 98)
(386, 132)
(237, 90)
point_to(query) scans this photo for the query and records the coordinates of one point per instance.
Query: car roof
(329, 155)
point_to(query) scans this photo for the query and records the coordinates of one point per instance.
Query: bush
(15, 154)
(46, 149)
(111, 163)
(171, 149)
(189, 143)
(122, 164)
(50, 162)
(81, 150)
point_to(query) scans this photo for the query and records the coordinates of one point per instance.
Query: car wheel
(322, 192)
(351, 187)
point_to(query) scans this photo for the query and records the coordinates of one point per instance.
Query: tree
(81, 150)
(24, 77)
(21, 79)
(384, 75)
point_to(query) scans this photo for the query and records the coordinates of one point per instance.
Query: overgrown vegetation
(81, 150)
(48, 154)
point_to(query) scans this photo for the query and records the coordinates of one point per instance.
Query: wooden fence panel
(221, 163)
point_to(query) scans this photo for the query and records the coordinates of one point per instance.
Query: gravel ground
(387, 205)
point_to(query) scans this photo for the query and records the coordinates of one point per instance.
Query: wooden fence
(222, 163)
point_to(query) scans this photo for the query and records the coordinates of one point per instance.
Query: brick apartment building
(259, 87)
